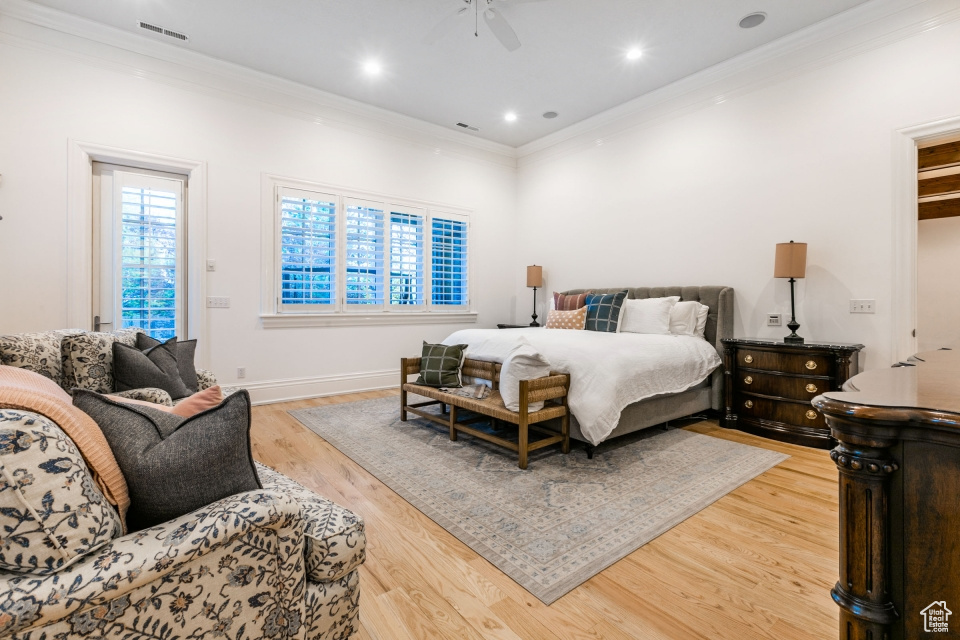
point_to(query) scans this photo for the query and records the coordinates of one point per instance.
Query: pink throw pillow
(192, 405)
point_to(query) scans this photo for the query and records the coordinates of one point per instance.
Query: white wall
(702, 196)
(48, 97)
(938, 283)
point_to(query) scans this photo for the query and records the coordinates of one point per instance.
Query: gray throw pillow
(156, 367)
(172, 464)
(186, 354)
(440, 365)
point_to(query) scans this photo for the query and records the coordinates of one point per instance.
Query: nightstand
(515, 326)
(768, 386)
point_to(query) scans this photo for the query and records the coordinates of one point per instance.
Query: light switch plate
(774, 320)
(218, 302)
(863, 306)
(211, 265)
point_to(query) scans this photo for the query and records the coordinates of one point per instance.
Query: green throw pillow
(440, 365)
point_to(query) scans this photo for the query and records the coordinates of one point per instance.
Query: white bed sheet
(608, 371)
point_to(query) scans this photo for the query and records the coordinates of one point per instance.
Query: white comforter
(608, 371)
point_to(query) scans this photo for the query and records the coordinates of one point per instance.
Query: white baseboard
(270, 391)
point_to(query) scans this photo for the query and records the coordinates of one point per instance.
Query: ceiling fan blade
(443, 27)
(501, 29)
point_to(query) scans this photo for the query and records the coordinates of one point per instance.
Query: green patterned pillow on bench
(440, 365)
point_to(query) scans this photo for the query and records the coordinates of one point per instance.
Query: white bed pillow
(702, 320)
(523, 363)
(683, 318)
(647, 315)
(689, 318)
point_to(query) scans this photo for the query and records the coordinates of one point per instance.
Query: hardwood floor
(758, 563)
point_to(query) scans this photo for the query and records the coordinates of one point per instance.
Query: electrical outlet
(241, 372)
(211, 265)
(774, 320)
(218, 302)
(863, 306)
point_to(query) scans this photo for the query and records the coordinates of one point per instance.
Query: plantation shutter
(407, 270)
(448, 261)
(308, 250)
(365, 247)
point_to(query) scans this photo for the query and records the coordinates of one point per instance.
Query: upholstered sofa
(275, 562)
(74, 358)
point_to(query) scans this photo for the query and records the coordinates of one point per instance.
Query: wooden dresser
(899, 459)
(769, 386)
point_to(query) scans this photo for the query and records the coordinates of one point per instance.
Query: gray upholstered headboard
(719, 319)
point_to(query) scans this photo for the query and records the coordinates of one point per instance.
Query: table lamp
(535, 280)
(791, 262)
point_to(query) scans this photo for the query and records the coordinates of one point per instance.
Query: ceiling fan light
(372, 68)
(510, 116)
(634, 54)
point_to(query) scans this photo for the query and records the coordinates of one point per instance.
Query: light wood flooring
(758, 563)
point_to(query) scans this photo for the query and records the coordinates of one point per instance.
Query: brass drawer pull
(811, 388)
(748, 404)
(811, 414)
(811, 365)
(748, 359)
(748, 380)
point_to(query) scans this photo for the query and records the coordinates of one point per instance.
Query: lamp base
(793, 339)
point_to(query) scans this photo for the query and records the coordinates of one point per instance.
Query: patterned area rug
(565, 518)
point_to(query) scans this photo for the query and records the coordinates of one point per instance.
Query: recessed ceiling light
(510, 117)
(372, 68)
(550, 115)
(752, 20)
(634, 54)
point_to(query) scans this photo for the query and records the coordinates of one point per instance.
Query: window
(344, 253)
(308, 249)
(140, 252)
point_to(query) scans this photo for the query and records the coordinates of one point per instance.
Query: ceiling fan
(491, 15)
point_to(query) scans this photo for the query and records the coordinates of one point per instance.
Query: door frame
(80, 159)
(904, 276)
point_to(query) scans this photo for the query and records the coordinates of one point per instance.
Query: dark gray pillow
(186, 354)
(174, 465)
(440, 365)
(156, 367)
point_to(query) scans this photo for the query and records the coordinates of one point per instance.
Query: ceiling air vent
(463, 125)
(164, 32)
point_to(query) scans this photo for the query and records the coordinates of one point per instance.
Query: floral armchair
(84, 359)
(279, 562)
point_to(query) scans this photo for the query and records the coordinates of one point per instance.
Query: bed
(689, 368)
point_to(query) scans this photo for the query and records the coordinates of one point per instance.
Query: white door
(139, 251)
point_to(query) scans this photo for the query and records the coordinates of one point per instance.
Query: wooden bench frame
(552, 387)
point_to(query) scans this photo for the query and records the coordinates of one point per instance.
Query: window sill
(295, 320)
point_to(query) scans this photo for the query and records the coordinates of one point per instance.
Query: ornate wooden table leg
(866, 467)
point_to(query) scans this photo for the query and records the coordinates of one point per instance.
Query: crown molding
(28, 25)
(858, 30)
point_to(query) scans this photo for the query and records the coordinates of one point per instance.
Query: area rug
(566, 517)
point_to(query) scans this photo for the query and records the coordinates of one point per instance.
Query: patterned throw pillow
(570, 301)
(88, 358)
(575, 319)
(51, 513)
(603, 311)
(440, 365)
(37, 352)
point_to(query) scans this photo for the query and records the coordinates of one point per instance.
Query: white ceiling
(571, 60)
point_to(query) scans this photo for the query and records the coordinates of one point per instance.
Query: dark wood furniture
(514, 326)
(552, 389)
(769, 386)
(899, 460)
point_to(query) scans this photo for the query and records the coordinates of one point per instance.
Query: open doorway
(938, 244)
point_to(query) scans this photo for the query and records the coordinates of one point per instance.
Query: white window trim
(270, 313)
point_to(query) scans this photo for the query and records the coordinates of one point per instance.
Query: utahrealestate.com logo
(936, 617)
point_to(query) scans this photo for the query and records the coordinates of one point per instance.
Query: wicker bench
(552, 389)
